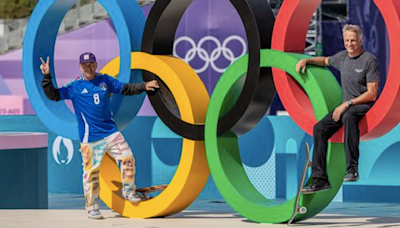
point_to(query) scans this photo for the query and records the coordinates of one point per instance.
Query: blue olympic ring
(39, 41)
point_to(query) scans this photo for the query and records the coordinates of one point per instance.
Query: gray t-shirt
(355, 72)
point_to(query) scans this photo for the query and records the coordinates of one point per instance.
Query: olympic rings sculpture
(237, 104)
(158, 38)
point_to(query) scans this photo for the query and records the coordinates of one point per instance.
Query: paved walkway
(199, 215)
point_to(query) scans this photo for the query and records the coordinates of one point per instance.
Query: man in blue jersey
(90, 96)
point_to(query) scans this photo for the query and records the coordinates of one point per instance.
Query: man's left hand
(152, 85)
(339, 111)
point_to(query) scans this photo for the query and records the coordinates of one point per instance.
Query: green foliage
(11, 9)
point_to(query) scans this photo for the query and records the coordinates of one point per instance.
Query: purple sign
(209, 38)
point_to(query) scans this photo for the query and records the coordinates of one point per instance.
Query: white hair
(353, 28)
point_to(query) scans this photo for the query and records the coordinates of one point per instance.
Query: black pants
(325, 128)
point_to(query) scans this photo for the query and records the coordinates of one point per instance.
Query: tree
(12, 9)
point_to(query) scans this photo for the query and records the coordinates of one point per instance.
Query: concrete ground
(67, 211)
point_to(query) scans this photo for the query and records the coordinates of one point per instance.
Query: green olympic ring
(223, 152)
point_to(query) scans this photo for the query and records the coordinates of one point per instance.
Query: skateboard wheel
(302, 210)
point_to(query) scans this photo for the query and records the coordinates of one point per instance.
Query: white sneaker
(133, 198)
(95, 214)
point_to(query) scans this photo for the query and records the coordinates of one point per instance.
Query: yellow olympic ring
(192, 173)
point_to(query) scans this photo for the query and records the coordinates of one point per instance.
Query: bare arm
(318, 61)
(370, 95)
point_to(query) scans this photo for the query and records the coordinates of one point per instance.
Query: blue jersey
(92, 103)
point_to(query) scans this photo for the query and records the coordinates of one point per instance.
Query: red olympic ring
(289, 34)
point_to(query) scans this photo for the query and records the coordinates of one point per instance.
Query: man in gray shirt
(359, 72)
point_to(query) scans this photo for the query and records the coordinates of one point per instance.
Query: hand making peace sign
(45, 66)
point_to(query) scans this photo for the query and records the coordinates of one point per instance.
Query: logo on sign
(221, 51)
(57, 150)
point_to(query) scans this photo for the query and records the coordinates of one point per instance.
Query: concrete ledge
(23, 170)
(22, 140)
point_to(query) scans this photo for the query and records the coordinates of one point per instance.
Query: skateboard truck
(297, 208)
(143, 192)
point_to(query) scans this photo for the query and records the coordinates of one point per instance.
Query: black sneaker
(351, 175)
(316, 186)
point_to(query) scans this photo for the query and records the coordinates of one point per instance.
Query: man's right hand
(301, 66)
(45, 68)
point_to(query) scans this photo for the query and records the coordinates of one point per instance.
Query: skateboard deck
(143, 192)
(297, 208)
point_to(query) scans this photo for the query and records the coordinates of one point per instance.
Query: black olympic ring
(258, 89)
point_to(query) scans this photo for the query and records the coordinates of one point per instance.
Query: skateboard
(297, 209)
(143, 192)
